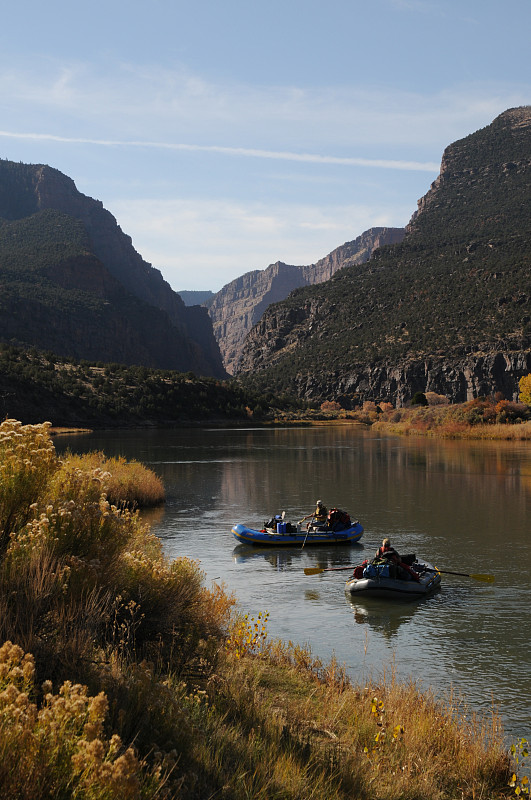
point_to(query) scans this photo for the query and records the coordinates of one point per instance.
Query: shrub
(510, 412)
(330, 405)
(27, 462)
(435, 399)
(524, 385)
(127, 483)
(60, 749)
(419, 399)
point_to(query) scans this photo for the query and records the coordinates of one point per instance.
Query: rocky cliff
(27, 192)
(239, 305)
(448, 309)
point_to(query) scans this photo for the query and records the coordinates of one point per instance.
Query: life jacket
(388, 553)
(320, 514)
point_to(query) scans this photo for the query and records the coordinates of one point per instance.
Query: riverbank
(128, 678)
(481, 418)
(478, 419)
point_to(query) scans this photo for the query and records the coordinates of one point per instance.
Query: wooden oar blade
(486, 578)
(317, 570)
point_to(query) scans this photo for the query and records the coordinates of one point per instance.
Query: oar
(476, 576)
(304, 542)
(317, 570)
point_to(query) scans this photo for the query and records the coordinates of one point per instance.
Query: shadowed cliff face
(239, 305)
(448, 309)
(30, 190)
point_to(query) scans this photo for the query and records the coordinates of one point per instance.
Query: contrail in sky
(279, 155)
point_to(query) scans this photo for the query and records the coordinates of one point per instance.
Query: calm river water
(464, 506)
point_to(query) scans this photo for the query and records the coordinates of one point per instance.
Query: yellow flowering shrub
(248, 635)
(27, 462)
(59, 748)
(77, 521)
(524, 385)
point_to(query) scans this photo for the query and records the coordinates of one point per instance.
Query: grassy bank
(481, 418)
(127, 483)
(123, 676)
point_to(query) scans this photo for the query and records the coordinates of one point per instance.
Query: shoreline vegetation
(480, 418)
(80, 397)
(123, 677)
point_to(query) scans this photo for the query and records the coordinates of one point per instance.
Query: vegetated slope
(36, 386)
(447, 309)
(72, 281)
(240, 304)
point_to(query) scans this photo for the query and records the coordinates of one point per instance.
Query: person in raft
(388, 553)
(318, 516)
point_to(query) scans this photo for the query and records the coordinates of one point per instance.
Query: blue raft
(285, 535)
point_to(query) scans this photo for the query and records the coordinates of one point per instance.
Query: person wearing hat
(319, 515)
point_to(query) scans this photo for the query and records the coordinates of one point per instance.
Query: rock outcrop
(239, 305)
(458, 379)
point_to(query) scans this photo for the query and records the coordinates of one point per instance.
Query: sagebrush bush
(60, 749)
(27, 461)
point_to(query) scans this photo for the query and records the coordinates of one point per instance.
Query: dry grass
(127, 483)
(477, 419)
(278, 724)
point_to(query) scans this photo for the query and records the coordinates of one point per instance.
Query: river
(464, 506)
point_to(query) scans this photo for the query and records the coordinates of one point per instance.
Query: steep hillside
(240, 304)
(73, 282)
(448, 309)
(36, 386)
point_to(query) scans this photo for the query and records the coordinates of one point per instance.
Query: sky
(226, 136)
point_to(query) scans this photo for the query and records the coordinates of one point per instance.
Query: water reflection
(383, 616)
(280, 559)
(284, 558)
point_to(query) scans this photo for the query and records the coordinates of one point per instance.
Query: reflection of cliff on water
(383, 616)
(508, 462)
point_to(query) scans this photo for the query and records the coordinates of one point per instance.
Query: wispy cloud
(313, 158)
(111, 104)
